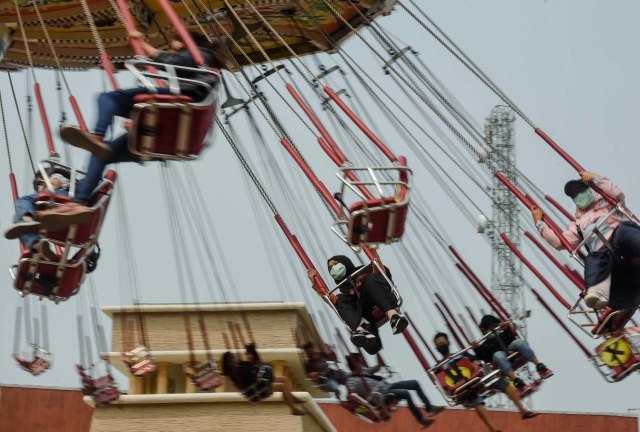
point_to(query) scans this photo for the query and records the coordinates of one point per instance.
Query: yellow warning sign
(614, 351)
(455, 375)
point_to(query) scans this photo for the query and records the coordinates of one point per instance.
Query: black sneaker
(398, 323)
(544, 371)
(362, 338)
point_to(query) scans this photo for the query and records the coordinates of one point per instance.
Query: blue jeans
(500, 357)
(25, 206)
(401, 390)
(331, 385)
(119, 153)
(117, 103)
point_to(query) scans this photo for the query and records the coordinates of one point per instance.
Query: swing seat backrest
(61, 278)
(203, 375)
(87, 232)
(170, 127)
(143, 368)
(459, 377)
(612, 321)
(379, 220)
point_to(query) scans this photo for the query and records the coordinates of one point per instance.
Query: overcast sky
(571, 65)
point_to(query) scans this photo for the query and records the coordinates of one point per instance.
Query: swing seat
(203, 375)
(261, 388)
(61, 278)
(612, 321)
(621, 354)
(102, 390)
(139, 361)
(459, 379)
(376, 220)
(35, 367)
(378, 408)
(170, 127)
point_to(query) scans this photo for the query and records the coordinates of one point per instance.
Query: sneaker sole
(78, 139)
(14, 233)
(545, 377)
(400, 326)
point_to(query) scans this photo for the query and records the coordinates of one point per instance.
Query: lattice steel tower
(506, 275)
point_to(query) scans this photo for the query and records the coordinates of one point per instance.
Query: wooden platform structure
(167, 401)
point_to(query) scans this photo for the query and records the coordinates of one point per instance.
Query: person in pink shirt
(612, 270)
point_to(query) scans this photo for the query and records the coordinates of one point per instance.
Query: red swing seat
(62, 277)
(102, 390)
(459, 379)
(376, 220)
(170, 127)
(612, 321)
(376, 409)
(35, 367)
(139, 361)
(621, 355)
(203, 375)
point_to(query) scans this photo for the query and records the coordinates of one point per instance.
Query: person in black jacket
(119, 103)
(498, 345)
(357, 298)
(243, 374)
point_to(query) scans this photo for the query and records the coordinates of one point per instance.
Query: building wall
(25, 409)
(28, 409)
(455, 420)
(199, 417)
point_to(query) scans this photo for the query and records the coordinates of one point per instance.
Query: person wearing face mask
(473, 400)
(120, 103)
(26, 227)
(610, 279)
(356, 301)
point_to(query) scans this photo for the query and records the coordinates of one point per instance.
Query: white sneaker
(595, 300)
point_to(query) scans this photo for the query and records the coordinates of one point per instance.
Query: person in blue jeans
(25, 226)
(119, 103)
(364, 380)
(497, 347)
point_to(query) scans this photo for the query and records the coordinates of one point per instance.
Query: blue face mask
(584, 199)
(338, 271)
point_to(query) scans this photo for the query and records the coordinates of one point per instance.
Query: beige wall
(200, 417)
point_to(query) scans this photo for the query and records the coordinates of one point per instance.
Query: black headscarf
(344, 261)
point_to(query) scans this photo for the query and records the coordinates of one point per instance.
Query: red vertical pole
(535, 271)
(453, 332)
(312, 177)
(561, 209)
(480, 286)
(360, 124)
(176, 22)
(562, 324)
(576, 279)
(453, 319)
(76, 111)
(530, 203)
(419, 333)
(45, 121)
(414, 346)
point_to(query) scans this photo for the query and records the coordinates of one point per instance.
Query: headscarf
(344, 261)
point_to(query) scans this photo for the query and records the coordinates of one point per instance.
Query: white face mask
(338, 271)
(584, 199)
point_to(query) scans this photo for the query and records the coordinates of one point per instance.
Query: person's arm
(605, 184)
(149, 50)
(550, 237)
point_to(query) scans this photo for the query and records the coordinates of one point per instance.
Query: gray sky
(571, 66)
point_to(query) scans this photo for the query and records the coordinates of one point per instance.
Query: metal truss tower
(506, 269)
